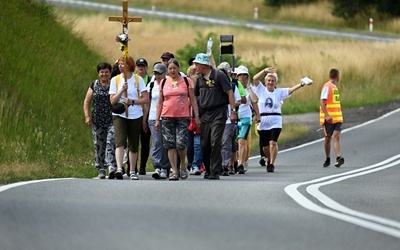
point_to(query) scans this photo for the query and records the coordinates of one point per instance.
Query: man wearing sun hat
(215, 92)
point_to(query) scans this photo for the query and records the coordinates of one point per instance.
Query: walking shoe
(240, 169)
(213, 177)
(134, 176)
(174, 177)
(163, 174)
(270, 168)
(262, 162)
(231, 171)
(195, 171)
(339, 161)
(111, 173)
(102, 174)
(327, 162)
(183, 173)
(246, 166)
(206, 175)
(156, 174)
(142, 171)
(225, 171)
(119, 174)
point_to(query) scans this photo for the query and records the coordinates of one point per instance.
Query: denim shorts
(175, 132)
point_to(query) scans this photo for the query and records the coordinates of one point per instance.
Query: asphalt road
(300, 206)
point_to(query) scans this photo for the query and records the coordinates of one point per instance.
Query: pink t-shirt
(176, 98)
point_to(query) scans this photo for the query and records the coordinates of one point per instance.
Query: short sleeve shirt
(176, 97)
(213, 96)
(270, 102)
(134, 111)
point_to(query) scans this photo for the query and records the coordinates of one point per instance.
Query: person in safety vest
(331, 118)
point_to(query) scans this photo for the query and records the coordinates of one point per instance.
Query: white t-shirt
(270, 102)
(155, 95)
(325, 92)
(237, 98)
(134, 111)
(245, 109)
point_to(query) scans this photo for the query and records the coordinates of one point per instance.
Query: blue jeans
(158, 154)
(194, 152)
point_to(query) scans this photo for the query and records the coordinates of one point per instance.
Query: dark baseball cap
(167, 55)
(141, 61)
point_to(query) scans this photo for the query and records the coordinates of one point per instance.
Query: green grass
(45, 74)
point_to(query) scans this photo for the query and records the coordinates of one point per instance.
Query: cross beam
(124, 20)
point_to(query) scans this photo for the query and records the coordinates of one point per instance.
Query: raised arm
(257, 78)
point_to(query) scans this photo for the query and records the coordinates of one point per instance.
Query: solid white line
(18, 184)
(314, 191)
(345, 213)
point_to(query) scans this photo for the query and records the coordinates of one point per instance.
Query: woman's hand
(157, 126)
(88, 120)
(233, 117)
(270, 70)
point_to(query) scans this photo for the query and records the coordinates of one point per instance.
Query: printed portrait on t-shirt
(269, 103)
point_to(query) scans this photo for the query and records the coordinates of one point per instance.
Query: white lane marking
(314, 191)
(382, 225)
(18, 184)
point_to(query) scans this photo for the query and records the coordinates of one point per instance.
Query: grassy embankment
(42, 129)
(45, 74)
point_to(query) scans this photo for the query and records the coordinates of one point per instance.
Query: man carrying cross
(130, 89)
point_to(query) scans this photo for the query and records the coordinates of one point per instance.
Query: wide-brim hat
(242, 70)
(225, 66)
(202, 58)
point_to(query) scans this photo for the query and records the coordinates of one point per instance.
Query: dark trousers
(211, 144)
(144, 148)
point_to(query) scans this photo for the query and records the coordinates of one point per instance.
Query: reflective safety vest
(332, 105)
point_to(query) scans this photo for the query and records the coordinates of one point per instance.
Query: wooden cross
(125, 19)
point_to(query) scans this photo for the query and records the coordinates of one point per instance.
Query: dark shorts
(329, 128)
(127, 129)
(175, 132)
(269, 135)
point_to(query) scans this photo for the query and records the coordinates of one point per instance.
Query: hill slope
(45, 75)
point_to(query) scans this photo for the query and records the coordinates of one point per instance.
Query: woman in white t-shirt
(269, 104)
(131, 90)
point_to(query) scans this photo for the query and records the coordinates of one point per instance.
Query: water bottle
(209, 46)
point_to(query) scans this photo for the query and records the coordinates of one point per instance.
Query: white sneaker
(156, 174)
(163, 174)
(195, 171)
(134, 176)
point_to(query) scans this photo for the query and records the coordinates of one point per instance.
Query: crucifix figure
(124, 20)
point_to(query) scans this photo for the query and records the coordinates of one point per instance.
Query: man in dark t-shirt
(215, 92)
